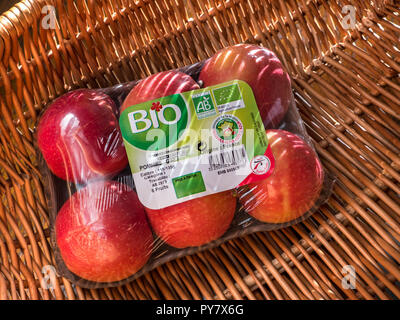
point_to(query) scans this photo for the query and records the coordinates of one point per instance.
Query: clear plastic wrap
(107, 230)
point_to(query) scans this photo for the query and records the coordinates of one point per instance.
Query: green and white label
(195, 143)
(203, 104)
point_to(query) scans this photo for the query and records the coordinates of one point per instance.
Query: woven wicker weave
(347, 88)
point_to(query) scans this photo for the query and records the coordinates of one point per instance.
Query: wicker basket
(345, 62)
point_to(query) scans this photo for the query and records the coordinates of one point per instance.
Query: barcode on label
(227, 158)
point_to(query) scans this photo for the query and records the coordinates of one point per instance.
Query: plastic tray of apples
(104, 234)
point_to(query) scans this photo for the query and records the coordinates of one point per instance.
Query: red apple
(79, 137)
(102, 232)
(293, 187)
(194, 222)
(159, 85)
(258, 67)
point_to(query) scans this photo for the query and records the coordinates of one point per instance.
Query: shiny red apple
(194, 222)
(294, 186)
(79, 137)
(102, 232)
(258, 67)
(159, 85)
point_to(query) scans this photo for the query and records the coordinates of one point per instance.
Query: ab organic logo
(204, 105)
